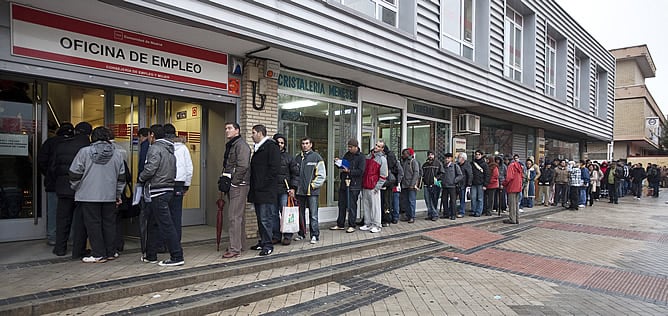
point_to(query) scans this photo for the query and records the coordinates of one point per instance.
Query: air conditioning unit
(469, 123)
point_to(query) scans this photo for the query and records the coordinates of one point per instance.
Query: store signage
(313, 86)
(418, 108)
(53, 37)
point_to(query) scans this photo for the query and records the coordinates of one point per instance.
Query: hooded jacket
(452, 175)
(514, 178)
(160, 168)
(412, 172)
(97, 173)
(312, 173)
(184, 164)
(375, 171)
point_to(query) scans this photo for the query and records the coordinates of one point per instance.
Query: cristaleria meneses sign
(53, 37)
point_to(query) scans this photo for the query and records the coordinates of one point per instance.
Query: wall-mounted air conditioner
(469, 123)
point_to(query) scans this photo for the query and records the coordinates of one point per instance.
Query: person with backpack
(392, 188)
(409, 183)
(451, 177)
(612, 178)
(432, 169)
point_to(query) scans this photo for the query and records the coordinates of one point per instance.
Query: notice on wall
(53, 37)
(13, 144)
(458, 145)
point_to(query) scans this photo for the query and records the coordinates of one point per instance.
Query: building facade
(504, 76)
(638, 131)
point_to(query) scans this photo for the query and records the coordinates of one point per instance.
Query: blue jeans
(51, 205)
(158, 210)
(431, 194)
(310, 201)
(477, 199)
(395, 205)
(282, 200)
(583, 196)
(408, 202)
(265, 221)
(462, 201)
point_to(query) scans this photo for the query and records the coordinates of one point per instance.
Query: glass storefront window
(555, 148)
(329, 125)
(380, 122)
(496, 137)
(17, 134)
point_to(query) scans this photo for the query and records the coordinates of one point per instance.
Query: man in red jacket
(513, 185)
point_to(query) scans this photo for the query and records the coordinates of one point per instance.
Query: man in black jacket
(44, 158)
(637, 175)
(69, 217)
(432, 169)
(480, 179)
(287, 184)
(545, 184)
(158, 181)
(265, 163)
(351, 170)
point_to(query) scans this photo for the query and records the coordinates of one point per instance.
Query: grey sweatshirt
(97, 173)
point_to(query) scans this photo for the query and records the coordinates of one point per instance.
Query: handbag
(290, 217)
(126, 209)
(224, 182)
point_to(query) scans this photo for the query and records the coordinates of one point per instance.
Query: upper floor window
(512, 49)
(596, 91)
(383, 10)
(550, 66)
(457, 24)
(576, 85)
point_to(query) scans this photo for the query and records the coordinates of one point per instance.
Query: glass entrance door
(20, 216)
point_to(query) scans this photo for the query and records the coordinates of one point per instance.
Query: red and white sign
(53, 37)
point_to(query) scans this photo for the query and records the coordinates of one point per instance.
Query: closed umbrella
(219, 220)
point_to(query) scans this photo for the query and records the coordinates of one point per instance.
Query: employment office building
(514, 76)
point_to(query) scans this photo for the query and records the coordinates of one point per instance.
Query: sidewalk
(607, 259)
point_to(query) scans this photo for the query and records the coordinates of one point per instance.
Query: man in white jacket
(184, 175)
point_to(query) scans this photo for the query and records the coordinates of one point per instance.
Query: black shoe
(609, 201)
(266, 252)
(394, 221)
(256, 247)
(452, 218)
(58, 253)
(435, 218)
(507, 221)
(286, 241)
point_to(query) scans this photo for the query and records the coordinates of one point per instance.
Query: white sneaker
(375, 229)
(521, 210)
(92, 259)
(581, 206)
(365, 227)
(314, 240)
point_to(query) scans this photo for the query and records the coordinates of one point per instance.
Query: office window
(550, 66)
(596, 98)
(576, 85)
(512, 50)
(383, 10)
(457, 22)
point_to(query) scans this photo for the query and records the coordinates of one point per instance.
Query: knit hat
(83, 128)
(353, 142)
(410, 151)
(278, 135)
(66, 129)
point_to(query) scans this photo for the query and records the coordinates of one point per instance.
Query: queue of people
(86, 174)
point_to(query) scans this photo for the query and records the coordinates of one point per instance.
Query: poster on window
(13, 144)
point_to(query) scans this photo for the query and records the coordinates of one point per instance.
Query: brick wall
(249, 116)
